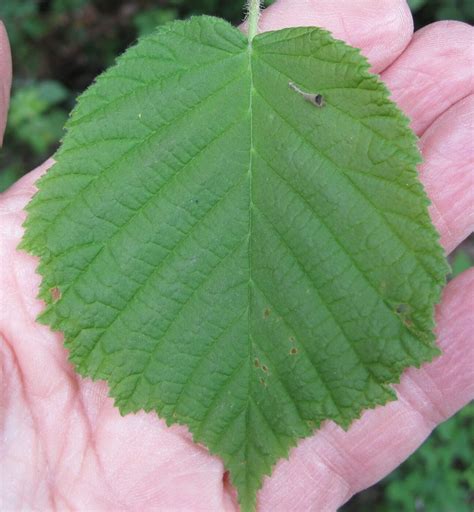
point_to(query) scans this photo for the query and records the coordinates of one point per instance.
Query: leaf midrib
(249, 249)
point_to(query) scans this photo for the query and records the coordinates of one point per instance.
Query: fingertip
(434, 72)
(440, 31)
(5, 78)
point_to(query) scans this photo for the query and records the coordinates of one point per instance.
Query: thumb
(5, 78)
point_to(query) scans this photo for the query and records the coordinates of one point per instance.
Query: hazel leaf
(234, 236)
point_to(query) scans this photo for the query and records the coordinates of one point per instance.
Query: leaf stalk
(253, 7)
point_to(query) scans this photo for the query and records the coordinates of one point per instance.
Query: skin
(64, 446)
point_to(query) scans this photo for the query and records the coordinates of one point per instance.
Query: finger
(380, 28)
(5, 78)
(447, 172)
(324, 471)
(434, 72)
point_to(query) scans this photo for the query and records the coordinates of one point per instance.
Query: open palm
(64, 446)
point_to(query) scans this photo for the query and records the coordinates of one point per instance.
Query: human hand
(63, 444)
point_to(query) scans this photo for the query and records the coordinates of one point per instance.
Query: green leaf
(227, 253)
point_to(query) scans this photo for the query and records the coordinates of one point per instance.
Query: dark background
(59, 46)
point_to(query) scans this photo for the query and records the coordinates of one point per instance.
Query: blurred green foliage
(460, 262)
(59, 46)
(35, 119)
(426, 11)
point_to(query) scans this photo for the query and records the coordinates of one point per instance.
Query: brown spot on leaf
(293, 351)
(292, 339)
(266, 313)
(55, 293)
(256, 363)
(264, 368)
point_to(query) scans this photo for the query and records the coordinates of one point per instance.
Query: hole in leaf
(319, 100)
